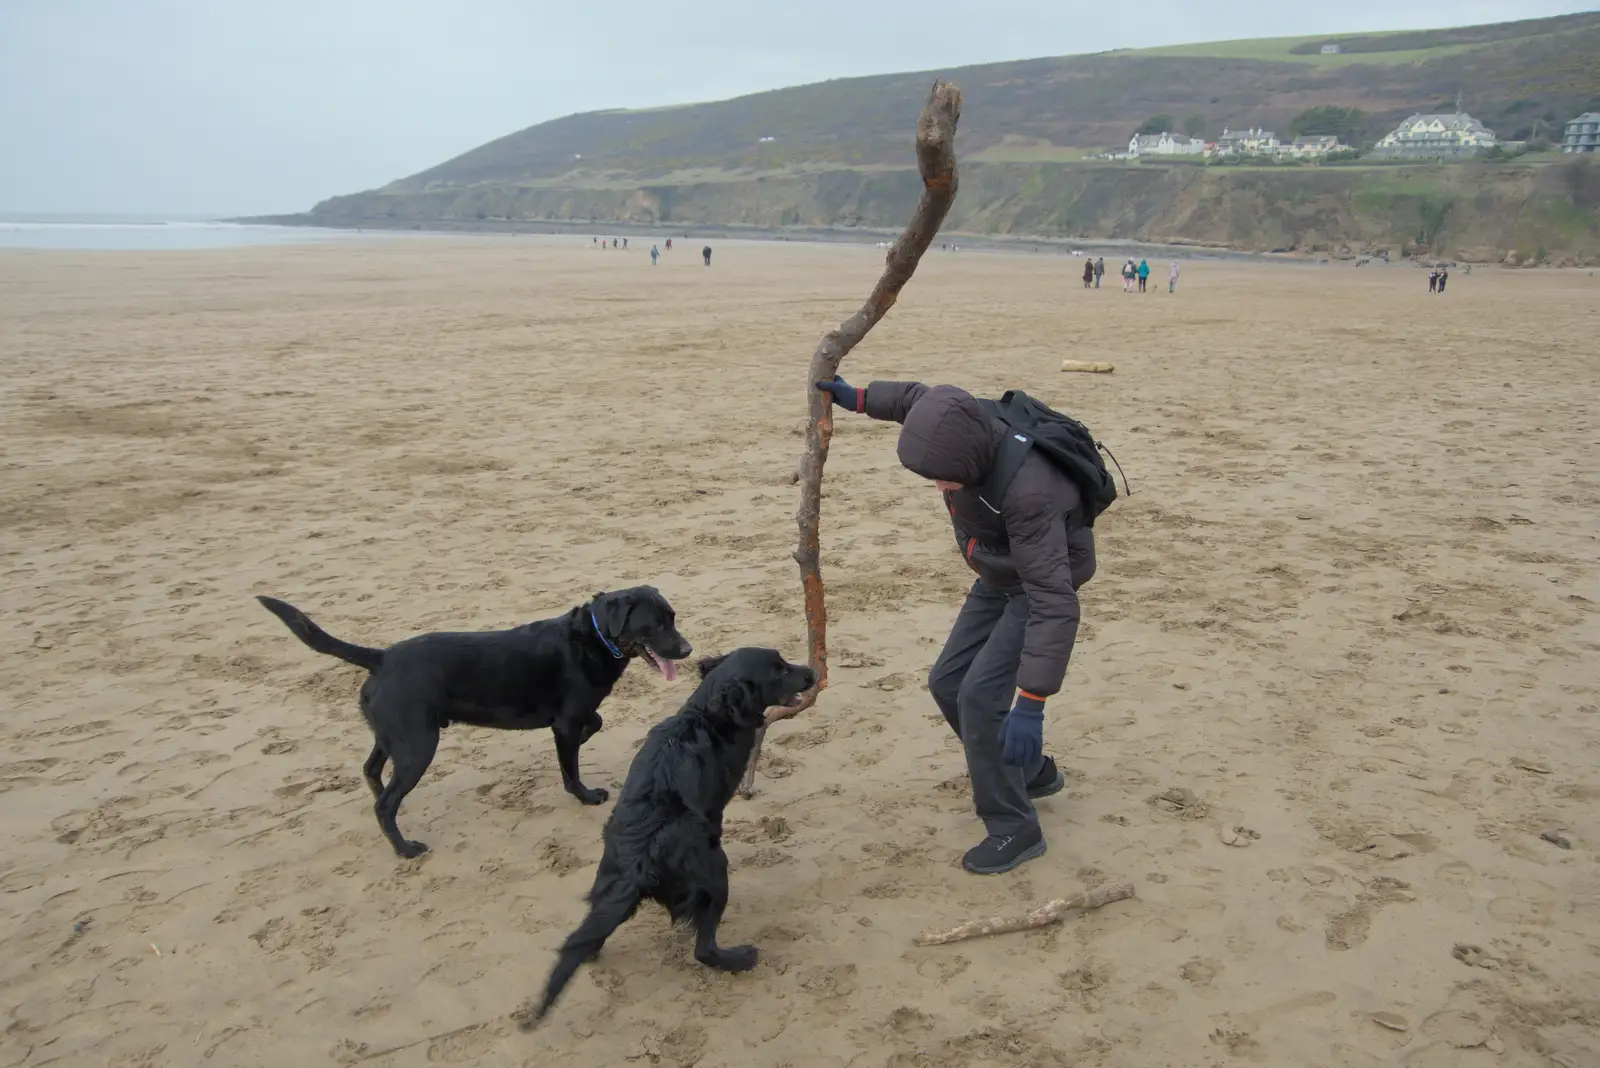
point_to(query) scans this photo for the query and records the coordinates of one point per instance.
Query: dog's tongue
(668, 669)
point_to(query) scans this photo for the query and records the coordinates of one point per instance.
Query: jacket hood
(947, 435)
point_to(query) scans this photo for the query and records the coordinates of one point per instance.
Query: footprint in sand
(1475, 957)
(1349, 929)
(1520, 911)
(468, 1045)
(1154, 999)
(1199, 971)
(1457, 877)
(942, 969)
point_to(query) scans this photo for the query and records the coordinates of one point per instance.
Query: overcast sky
(258, 106)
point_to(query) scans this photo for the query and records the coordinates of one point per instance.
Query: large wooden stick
(936, 161)
(1046, 914)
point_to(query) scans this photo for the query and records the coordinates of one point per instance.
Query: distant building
(1441, 136)
(1164, 144)
(1583, 134)
(1330, 50)
(1251, 142)
(1312, 147)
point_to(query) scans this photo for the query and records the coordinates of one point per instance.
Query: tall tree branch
(936, 160)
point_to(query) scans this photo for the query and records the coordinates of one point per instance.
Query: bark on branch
(936, 160)
(1046, 914)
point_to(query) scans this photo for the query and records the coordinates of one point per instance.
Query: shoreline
(967, 242)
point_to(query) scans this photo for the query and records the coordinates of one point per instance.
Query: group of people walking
(655, 250)
(1132, 274)
(1437, 277)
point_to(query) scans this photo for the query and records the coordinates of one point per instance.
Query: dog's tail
(301, 626)
(608, 910)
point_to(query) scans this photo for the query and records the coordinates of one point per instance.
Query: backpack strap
(1014, 449)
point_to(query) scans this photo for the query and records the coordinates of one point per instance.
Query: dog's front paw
(413, 849)
(738, 959)
(594, 797)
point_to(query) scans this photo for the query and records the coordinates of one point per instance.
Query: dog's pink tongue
(668, 669)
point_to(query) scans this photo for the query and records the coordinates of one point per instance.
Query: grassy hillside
(1510, 75)
(1478, 211)
(838, 153)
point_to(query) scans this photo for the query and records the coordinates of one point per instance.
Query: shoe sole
(1046, 790)
(1028, 854)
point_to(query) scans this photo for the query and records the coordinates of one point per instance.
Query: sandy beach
(1350, 608)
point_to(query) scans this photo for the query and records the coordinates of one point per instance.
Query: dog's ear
(740, 700)
(612, 611)
(709, 664)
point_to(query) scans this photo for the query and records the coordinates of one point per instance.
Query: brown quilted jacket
(1033, 541)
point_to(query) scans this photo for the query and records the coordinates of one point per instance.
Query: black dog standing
(551, 673)
(664, 839)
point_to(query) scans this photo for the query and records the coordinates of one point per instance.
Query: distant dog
(553, 673)
(664, 838)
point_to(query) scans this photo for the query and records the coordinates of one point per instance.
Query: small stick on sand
(1046, 914)
(1092, 368)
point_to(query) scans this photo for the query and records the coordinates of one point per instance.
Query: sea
(149, 232)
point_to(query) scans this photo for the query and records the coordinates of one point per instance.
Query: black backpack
(1065, 441)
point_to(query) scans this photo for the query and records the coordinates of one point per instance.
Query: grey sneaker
(1048, 781)
(1001, 853)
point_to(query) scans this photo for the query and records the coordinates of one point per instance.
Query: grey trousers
(974, 682)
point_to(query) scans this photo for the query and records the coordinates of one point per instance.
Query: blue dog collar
(610, 648)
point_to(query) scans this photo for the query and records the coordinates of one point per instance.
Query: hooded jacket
(1024, 543)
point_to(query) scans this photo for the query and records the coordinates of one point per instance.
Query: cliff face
(1548, 209)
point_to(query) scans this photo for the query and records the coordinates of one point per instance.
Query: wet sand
(1351, 607)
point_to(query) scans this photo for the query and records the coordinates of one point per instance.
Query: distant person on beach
(655, 254)
(706, 252)
(1088, 274)
(669, 244)
(624, 242)
(1099, 270)
(1127, 276)
(1144, 274)
(1172, 277)
(1433, 280)
(1444, 276)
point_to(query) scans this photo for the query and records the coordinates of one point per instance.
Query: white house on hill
(1312, 147)
(1582, 134)
(1439, 136)
(1251, 142)
(1164, 144)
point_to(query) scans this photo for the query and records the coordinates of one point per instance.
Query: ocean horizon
(89, 231)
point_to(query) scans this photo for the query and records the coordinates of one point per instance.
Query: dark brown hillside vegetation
(1071, 102)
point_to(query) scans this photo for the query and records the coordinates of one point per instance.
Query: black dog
(664, 838)
(553, 673)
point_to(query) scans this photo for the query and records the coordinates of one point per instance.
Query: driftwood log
(936, 160)
(1046, 914)
(1089, 366)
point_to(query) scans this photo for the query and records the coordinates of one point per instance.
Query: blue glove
(844, 394)
(1022, 732)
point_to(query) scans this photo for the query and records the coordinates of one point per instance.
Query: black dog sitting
(664, 838)
(553, 673)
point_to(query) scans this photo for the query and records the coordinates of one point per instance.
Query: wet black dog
(553, 673)
(663, 841)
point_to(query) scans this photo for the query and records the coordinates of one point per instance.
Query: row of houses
(1444, 135)
(1251, 142)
